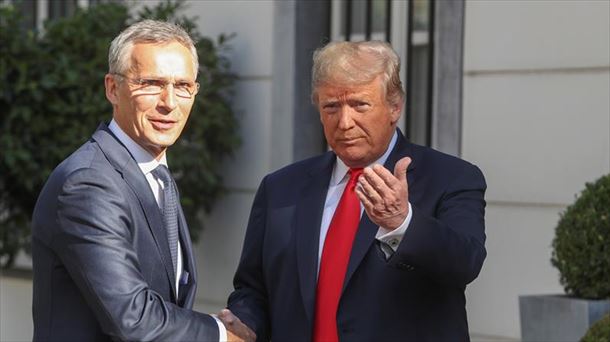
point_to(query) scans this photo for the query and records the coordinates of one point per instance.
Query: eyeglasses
(154, 86)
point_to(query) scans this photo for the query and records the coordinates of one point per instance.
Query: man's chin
(353, 160)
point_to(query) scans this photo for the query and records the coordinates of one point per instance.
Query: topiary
(581, 248)
(52, 99)
(599, 331)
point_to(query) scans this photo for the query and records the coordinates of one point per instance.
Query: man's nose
(168, 98)
(346, 120)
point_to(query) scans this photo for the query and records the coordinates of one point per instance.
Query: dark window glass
(419, 72)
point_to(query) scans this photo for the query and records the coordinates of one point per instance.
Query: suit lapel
(124, 163)
(367, 229)
(307, 220)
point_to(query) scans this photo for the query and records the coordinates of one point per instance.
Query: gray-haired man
(112, 255)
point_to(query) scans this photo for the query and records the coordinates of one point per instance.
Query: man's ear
(112, 89)
(395, 110)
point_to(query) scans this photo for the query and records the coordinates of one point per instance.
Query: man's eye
(361, 106)
(151, 83)
(183, 85)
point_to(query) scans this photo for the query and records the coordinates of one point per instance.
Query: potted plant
(581, 253)
(599, 332)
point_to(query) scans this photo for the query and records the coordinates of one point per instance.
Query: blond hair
(357, 63)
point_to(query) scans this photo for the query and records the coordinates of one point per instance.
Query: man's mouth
(162, 124)
(348, 141)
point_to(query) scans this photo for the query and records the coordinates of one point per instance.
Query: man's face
(358, 122)
(153, 121)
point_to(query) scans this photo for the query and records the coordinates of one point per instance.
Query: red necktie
(333, 264)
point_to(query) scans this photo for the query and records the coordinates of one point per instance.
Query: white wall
(15, 309)
(537, 121)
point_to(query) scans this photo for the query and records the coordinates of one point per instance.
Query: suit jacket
(101, 260)
(415, 295)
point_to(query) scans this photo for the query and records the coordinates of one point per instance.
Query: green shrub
(52, 99)
(581, 248)
(598, 332)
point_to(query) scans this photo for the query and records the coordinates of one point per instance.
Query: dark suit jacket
(102, 266)
(416, 295)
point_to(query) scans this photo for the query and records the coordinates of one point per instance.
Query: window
(419, 72)
(364, 19)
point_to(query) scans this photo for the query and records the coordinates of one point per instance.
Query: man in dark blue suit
(375, 240)
(112, 256)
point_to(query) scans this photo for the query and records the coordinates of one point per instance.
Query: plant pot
(558, 317)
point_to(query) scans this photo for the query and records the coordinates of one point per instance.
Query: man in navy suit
(112, 256)
(375, 240)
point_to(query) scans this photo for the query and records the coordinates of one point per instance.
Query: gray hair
(357, 63)
(147, 31)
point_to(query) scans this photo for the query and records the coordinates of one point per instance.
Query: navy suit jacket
(101, 260)
(415, 295)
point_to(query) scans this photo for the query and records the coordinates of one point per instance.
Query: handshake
(236, 330)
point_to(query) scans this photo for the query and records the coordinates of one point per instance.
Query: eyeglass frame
(140, 82)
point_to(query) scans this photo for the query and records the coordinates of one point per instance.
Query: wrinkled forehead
(169, 59)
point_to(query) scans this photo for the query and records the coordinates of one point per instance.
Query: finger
(377, 182)
(400, 169)
(366, 201)
(386, 175)
(369, 190)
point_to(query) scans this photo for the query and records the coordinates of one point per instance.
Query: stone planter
(551, 318)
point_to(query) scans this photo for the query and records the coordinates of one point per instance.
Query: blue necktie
(170, 210)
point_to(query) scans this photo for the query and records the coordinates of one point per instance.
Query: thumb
(400, 169)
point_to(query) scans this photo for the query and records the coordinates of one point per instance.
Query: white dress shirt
(338, 181)
(147, 163)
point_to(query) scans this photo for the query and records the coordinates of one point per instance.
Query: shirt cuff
(222, 331)
(392, 238)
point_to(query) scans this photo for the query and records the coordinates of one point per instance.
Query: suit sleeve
(249, 300)
(449, 245)
(94, 241)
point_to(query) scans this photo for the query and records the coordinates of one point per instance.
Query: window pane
(379, 15)
(421, 15)
(358, 16)
(419, 73)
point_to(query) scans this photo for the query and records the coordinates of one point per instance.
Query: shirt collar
(340, 169)
(146, 161)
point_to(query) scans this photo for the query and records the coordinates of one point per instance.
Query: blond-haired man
(374, 240)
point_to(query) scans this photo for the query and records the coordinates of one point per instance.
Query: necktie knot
(353, 177)
(162, 173)
(355, 173)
